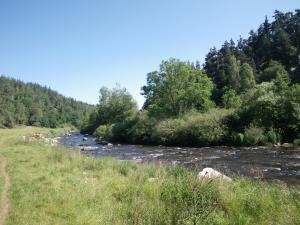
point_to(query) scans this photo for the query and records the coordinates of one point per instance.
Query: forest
(246, 93)
(31, 104)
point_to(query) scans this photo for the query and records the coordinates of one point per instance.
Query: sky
(77, 46)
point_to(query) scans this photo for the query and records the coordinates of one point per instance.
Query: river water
(256, 162)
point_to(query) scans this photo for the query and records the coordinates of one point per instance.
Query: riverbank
(267, 163)
(53, 185)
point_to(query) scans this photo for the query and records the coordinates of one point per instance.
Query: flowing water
(255, 162)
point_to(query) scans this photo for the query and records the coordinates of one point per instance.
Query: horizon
(87, 46)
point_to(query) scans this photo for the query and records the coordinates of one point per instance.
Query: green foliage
(231, 100)
(296, 142)
(169, 131)
(237, 139)
(199, 129)
(142, 130)
(259, 107)
(272, 137)
(290, 107)
(207, 128)
(256, 78)
(6, 119)
(186, 198)
(70, 188)
(247, 77)
(177, 88)
(254, 136)
(232, 73)
(31, 104)
(103, 132)
(265, 106)
(116, 106)
(273, 70)
(270, 50)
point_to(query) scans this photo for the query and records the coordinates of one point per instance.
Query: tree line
(246, 93)
(31, 104)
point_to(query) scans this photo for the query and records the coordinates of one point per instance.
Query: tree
(32, 104)
(230, 99)
(290, 113)
(232, 73)
(115, 105)
(260, 107)
(176, 89)
(35, 116)
(273, 70)
(247, 77)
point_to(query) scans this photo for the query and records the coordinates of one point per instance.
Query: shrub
(142, 129)
(103, 132)
(230, 99)
(272, 137)
(253, 135)
(168, 132)
(120, 131)
(237, 138)
(206, 128)
(193, 128)
(297, 142)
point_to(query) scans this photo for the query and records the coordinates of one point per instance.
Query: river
(256, 162)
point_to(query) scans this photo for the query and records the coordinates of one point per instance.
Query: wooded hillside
(33, 104)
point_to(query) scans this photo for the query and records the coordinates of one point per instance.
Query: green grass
(1, 182)
(53, 185)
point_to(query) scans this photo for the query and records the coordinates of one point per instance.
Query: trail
(5, 199)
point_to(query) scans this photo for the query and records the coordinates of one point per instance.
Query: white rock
(110, 145)
(212, 174)
(152, 179)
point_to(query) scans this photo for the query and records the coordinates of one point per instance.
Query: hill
(32, 104)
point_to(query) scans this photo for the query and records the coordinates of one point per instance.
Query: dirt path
(5, 200)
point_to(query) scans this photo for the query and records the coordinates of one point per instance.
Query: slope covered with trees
(32, 104)
(245, 94)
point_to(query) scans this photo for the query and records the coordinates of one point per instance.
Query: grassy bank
(53, 185)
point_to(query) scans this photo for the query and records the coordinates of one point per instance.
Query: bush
(237, 138)
(206, 128)
(297, 142)
(103, 132)
(193, 128)
(272, 137)
(169, 132)
(120, 131)
(231, 100)
(142, 129)
(253, 136)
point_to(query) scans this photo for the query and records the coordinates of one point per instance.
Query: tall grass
(53, 185)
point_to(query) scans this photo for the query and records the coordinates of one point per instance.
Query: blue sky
(77, 46)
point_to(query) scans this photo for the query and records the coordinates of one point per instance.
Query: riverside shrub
(254, 135)
(193, 128)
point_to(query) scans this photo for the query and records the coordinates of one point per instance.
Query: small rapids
(256, 162)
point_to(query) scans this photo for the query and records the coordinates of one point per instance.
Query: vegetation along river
(265, 163)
